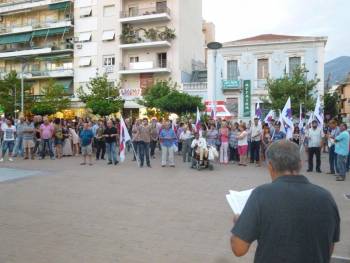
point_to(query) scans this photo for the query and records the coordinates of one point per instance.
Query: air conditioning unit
(79, 46)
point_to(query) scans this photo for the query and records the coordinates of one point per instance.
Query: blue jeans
(341, 164)
(333, 160)
(18, 150)
(144, 150)
(7, 145)
(111, 151)
(46, 143)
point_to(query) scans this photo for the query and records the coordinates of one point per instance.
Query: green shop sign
(247, 98)
(231, 84)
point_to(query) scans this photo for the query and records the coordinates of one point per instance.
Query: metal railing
(28, 47)
(34, 26)
(144, 12)
(43, 73)
(144, 65)
(17, 2)
(194, 86)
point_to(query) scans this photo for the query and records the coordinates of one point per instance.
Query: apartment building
(136, 42)
(36, 40)
(344, 94)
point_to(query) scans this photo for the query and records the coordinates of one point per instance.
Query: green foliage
(130, 34)
(101, 97)
(331, 104)
(43, 108)
(297, 87)
(10, 94)
(155, 92)
(54, 96)
(164, 96)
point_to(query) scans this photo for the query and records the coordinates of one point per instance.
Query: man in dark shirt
(110, 135)
(292, 220)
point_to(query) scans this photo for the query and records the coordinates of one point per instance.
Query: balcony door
(161, 6)
(162, 60)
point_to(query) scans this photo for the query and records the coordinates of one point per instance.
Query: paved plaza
(61, 212)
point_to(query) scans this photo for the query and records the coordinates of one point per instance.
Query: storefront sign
(231, 84)
(128, 93)
(247, 98)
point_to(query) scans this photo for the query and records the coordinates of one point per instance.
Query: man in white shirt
(9, 131)
(201, 145)
(315, 138)
(255, 133)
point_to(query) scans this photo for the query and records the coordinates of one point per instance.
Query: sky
(236, 19)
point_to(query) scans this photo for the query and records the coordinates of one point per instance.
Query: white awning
(86, 11)
(129, 104)
(85, 62)
(83, 37)
(108, 35)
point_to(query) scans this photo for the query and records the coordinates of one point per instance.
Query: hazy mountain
(336, 70)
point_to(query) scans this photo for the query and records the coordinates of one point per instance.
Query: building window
(85, 12)
(294, 63)
(85, 62)
(134, 59)
(109, 60)
(161, 6)
(109, 10)
(85, 37)
(108, 35)
(263, 68)
(133, 11)
(162, 60)
(232, 69)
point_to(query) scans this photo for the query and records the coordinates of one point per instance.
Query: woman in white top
(243, 144)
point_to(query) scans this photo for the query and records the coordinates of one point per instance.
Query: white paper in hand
(237, 200)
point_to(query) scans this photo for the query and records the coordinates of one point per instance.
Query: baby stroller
(205, 164)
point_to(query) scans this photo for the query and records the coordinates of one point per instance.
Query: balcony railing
(68, 72)
(194, 86)
(144, 12)
(35, 26)
(145, 65)
(27, 47)
(7, 6)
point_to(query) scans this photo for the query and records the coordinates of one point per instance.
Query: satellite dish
(214, 45)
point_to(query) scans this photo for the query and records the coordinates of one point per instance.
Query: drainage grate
(347, 196)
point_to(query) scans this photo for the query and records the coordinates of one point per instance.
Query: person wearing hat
(315, 138)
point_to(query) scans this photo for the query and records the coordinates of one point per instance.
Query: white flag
(123, 138)
(287, 119)
(269, 117)
(301, 121)
(318, 112)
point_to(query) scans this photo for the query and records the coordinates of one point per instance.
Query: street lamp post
(22, 88)
(215, 46)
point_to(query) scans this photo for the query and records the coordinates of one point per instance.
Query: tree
(101, 97)
(331, 104)
(164, 96)
(53, 99)
(180, 103)
(153, 93)
(10, 94)
(296, 86)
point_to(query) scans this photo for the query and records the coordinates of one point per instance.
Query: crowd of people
(236, 142)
